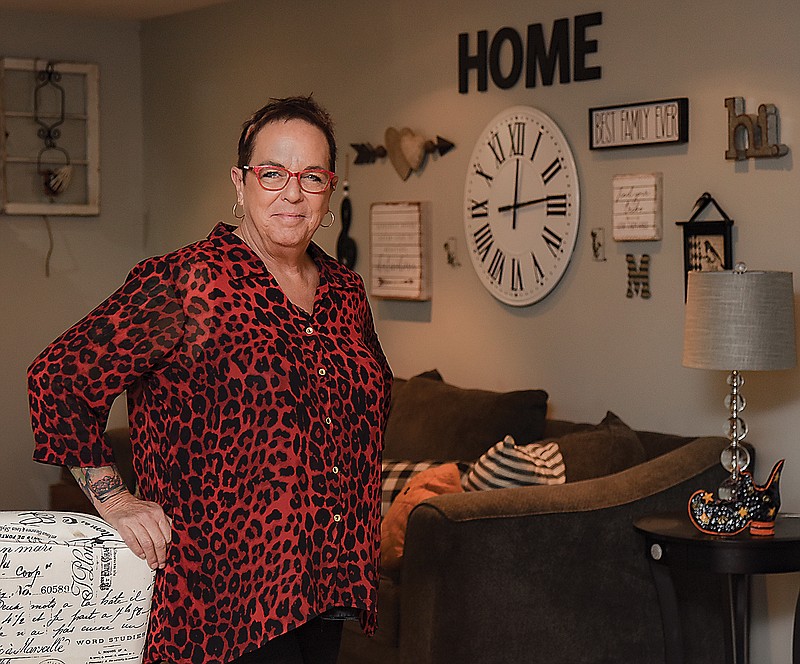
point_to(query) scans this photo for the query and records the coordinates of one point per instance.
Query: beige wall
(377, 65)
(91, 255)
(393, 63)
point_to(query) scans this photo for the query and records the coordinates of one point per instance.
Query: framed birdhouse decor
(707, 244)
(49, 143)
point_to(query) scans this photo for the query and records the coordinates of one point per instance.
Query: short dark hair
(288, 108)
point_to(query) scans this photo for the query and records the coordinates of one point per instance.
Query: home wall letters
(531, 54)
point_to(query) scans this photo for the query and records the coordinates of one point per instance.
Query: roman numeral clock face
(521, 206)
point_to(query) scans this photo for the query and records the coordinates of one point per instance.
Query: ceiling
(116, 9)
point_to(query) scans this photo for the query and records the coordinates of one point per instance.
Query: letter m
(638, 276)
(538, 54)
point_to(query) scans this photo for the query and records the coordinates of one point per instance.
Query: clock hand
(516, 191)
(514, 206)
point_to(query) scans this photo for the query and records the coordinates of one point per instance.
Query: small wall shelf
(29, 151)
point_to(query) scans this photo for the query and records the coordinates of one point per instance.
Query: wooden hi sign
(752, 135)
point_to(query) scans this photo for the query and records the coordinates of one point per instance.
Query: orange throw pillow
(431, 482)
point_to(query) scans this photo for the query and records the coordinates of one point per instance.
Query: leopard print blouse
(255, 425)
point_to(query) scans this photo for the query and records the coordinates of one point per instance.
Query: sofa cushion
(432, 419)
(444, 478)
(398, 384)
(606, 448)
(508, 464)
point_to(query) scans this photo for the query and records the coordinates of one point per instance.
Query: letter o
(513, 38)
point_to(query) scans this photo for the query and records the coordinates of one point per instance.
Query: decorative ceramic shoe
(754, 506)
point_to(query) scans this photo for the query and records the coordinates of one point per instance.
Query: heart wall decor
(394, 148)
(413, 147)
(405, 149)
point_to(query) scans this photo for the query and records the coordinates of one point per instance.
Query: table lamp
(738, 320)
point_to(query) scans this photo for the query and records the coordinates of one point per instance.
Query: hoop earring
(333, 219)
(233, 211)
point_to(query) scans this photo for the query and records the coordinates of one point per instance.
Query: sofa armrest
(553, 573)
(635, 483)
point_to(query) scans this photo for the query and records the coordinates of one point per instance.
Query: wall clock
(521, 205)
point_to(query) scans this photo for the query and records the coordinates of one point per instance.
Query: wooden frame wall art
(637, 207)
(399, 252)
(49, 138)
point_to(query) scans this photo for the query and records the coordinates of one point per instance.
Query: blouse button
(327, 420)
(335, 470)
(337, 517)
(322, 372)
(309, 330)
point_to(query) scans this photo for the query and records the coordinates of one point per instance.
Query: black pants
(315, 642)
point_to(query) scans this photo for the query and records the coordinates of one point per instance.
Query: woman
(257, 397)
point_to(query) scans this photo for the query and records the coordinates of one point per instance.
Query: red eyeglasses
(275, 178)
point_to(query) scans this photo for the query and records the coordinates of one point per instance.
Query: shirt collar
(241, 261)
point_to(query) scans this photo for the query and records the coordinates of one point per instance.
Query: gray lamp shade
(739, 321)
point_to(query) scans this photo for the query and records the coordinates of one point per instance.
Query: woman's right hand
(142, 524)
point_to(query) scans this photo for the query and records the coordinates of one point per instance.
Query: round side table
(673, 542)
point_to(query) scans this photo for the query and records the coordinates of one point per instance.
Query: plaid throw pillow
(395, 474)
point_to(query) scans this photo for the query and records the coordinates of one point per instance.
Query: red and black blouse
(255, 425)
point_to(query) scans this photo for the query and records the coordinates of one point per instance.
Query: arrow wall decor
(405, 149)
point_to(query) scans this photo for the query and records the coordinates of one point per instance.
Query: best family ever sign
(644, 123)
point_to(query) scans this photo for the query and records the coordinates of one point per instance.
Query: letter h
(758, 133)
(479, 61)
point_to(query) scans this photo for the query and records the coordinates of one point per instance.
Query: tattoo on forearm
(105, 487)
(99, 484)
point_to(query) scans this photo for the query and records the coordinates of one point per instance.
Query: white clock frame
(521, 205)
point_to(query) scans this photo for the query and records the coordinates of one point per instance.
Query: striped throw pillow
(508, 464)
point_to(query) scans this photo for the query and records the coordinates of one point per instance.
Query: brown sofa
(551, 574)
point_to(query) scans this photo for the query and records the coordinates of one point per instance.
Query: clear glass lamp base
(742, 458)
(727, 490)
(734, 458)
